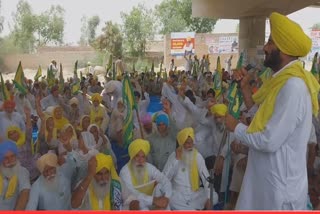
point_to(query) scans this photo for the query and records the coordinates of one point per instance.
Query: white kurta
(60, 199)
(183, 198)
(23, 184)
(115, 87)
(163, 186)
(178, 112)
(142, 109)
(276, 173)
(49, 101)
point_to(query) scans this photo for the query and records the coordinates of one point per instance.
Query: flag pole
(140, 126)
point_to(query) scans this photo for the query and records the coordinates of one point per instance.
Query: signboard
(223, 45)
(315, 37)
(182, 43)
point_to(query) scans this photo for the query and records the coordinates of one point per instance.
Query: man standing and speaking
(276, 173)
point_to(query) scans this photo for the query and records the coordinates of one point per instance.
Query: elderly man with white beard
(137, 175)
(52, 190)
(101, 188)
(222, 161)
(14, 179)
(188, 174)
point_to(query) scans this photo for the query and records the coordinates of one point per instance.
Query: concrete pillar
(251, 34)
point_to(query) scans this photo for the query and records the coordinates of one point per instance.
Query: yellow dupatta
(95, 201)
(12, 186)
(266, 96)
(182, 136)
(194, 174)
(133, 177)
(105, 161)
(96, 112)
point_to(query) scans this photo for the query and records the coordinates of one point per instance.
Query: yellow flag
(38, 74)
(5, 92)
(218, 79)
(19, 81)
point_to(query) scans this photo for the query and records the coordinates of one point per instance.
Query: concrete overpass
(252, 15)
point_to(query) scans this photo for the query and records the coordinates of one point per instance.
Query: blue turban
(162, 118)
(7, 146)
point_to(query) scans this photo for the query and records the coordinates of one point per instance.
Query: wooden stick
(140, 126)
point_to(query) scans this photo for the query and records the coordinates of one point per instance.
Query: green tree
(110, 40)
(169, 17)
(88, 30)
(176, 15)
(93, 23)
(31, 30)
(1, 20)
(24, 27)
(50, 26)
(138, 27)
(84, 31)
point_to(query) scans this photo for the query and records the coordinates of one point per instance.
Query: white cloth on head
(89, 140)
(49, 101)
(115, 89)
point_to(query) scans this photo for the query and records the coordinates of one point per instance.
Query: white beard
(220, 127)
(8, 172)
(187, 157)
(101, 189)
(138, 172)
(51, 184)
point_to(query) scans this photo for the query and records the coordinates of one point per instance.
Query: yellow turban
(48, 159)
(138, 145)
(103, 161)
(289, 36)
(184, 134)
(96, 96)
(22, 136)
(219, 109)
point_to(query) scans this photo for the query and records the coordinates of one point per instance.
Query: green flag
(4, 90)
(265, 74)
(75, 86)
(50, 77)
(130, 103)
(217, 86)
(61, 80)
(38, 74)
(152, 67)
(234, 94)
(314, 68)
(114, 71)
(109, 65)
(75, 71)
(19, 81)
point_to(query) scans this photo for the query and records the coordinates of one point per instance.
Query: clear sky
(110, 10)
